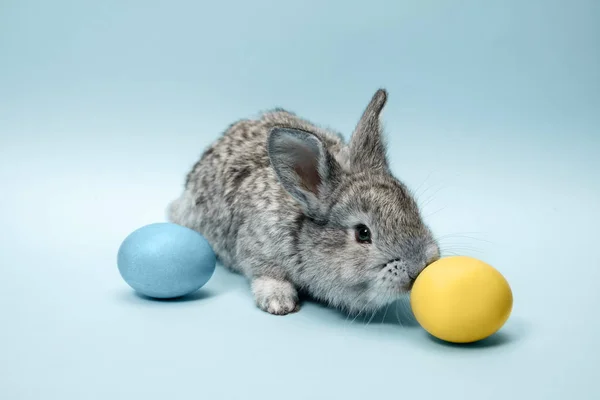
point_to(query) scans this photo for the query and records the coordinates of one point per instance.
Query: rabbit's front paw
(275, 296)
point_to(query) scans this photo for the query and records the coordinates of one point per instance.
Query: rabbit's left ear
(367, 145)
(304, 167)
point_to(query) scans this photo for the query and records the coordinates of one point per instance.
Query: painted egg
(166, 260)
(461, 299)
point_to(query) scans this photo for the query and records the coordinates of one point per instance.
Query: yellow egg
(461, 299)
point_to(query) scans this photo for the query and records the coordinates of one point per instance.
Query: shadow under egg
(199, 295)
(496, 340)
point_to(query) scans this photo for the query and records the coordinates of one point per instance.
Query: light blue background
(493, 117)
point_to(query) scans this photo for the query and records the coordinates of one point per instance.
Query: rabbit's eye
(362, 234)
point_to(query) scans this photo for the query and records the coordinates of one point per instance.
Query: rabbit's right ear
(304, 167)
(367, 145)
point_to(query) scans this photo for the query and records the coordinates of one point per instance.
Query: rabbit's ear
(304, 167)
(367, 145)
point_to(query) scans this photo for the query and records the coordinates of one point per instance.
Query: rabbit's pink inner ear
(306, 167)
(309, 179)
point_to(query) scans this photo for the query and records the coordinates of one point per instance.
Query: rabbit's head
(361, 237)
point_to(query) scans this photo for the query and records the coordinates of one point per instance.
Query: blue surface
(165, 261)
(493, 118)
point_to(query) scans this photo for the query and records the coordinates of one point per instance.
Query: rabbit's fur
(281, 200)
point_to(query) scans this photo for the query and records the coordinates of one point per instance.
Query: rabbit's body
(265, 196)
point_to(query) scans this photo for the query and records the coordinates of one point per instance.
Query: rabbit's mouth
(404, 288)
(397, 288)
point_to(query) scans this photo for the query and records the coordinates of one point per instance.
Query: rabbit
(295, 209)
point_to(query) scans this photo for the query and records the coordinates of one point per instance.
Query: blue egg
(165, 260)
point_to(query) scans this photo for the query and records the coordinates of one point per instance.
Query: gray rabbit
(295, 209)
